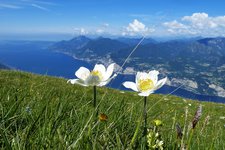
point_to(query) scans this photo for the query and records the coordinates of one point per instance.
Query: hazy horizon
(54, 37)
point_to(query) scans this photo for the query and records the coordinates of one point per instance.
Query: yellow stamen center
(145, 84)
(97, 74)
(103, 117)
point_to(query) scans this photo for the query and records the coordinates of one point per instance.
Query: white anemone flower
(99, 76)
(146, 83)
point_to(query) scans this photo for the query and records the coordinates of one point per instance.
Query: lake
(34, 57)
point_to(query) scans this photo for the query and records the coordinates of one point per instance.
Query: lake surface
(34, 57)
(37, 59)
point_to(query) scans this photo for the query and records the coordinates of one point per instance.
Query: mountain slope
(71, 45)
(102, 46)
(197, 65)
(41, 112)
(82, 45)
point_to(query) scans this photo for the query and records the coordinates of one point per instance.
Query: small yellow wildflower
(158, 122)
(103, 117)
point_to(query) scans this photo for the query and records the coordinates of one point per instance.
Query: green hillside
(41, 112)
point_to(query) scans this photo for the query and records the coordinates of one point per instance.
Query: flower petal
(154, 76)
(140, 76)
(146, 93)
(100, 68)
(160, 83)
(82, 73)
(103, 83)
(109, 71)
(92, 80)
(76, 81)
(130, 85)
(137, 77)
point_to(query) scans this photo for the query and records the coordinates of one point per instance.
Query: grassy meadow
(42, 112)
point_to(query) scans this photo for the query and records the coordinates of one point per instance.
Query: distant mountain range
(198, 64)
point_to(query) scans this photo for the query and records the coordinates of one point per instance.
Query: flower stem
(94, 102)
(94, 96)
(145, 116)
(145, 121)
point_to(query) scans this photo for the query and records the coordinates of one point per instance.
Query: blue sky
(154, 18)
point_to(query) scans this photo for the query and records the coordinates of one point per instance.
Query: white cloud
(80, 31)
(99, 31)
(27, 3)
(39, 2)
(83, 31)
(136, 28)
(102, 29)
(200, 20)
(9, 6)
(174, 25)
(197, 24)
(40, 7)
